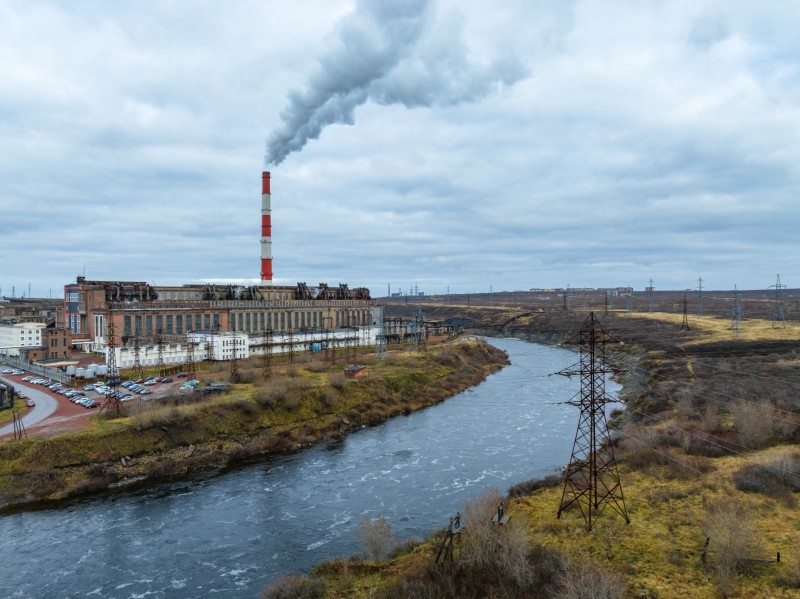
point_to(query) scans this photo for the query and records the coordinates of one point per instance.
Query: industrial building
(145, 316)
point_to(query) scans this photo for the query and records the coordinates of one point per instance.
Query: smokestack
(266, 231)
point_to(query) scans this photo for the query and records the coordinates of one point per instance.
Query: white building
(219, 345)
(19, 335)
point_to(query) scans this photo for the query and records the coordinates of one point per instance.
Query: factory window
(269, 320)
(126, 330)
(282, 322)
(241, 321)
(159, 323)
(315, 320)
(296, 320)
(169, 324)
(148, 325)
(216, 322)
(263, 321)
(184, 295)
(302, 320)
(247, 322)
(197, 325)
(207, 320)
(338, 318)
(179, 324)
(138, 321)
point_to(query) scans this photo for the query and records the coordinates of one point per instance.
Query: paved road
(45, 405)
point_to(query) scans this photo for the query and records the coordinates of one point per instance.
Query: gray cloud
(648, 141)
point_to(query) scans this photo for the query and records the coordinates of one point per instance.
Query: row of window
(171, 324)
(282, 321)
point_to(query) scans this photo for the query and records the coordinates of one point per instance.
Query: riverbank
(295, 407)
(708, 464)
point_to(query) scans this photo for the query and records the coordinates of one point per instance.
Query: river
(227, 535)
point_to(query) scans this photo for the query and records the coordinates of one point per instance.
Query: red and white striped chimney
(266, 231)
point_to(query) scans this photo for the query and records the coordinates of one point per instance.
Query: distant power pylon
(592, 480)
(650, 289)
(736, 313)
(190, 366)
(137, 360)
(112, 399)
(267, 366)
(777, 309)
(234, 375)
(685, 323)
(159, 341)
(380, 337)
(700, 289)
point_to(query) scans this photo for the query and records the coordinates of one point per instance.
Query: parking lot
(74, 404)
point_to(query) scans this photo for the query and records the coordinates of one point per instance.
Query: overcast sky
(510, 144)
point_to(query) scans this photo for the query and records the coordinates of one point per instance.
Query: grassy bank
(295, 406)
(707, 449)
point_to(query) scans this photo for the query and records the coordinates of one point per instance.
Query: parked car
(16, 372)
(91, 403)
(150, 381)
(166, 379)
(182, 375)
(7, 371)
(30, 403)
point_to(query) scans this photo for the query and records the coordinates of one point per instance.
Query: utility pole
(592, 480)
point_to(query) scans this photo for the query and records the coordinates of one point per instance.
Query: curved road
(45, 405)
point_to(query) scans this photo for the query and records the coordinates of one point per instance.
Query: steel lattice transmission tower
(380, 338)
(159, 341)
(592, 480)
(777, 309)
(112, 399)
(685, 322)
(700, 289)
(234, 377)
(267, 365)
(137, 361)
(736, 313)
(190, 367)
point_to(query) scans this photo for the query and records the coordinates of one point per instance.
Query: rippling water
(228, 535)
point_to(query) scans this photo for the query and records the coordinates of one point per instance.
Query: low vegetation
(708, 463)
(296, 405)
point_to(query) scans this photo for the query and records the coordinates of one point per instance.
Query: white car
(7, 371)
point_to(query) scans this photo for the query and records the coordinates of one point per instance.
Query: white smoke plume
(391, 52)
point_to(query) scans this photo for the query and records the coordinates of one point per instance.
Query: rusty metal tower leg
(592, 480)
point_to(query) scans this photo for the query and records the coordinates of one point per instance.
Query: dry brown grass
(713, 328)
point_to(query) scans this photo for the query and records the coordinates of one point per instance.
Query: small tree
(729, 530)
(376, 537)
